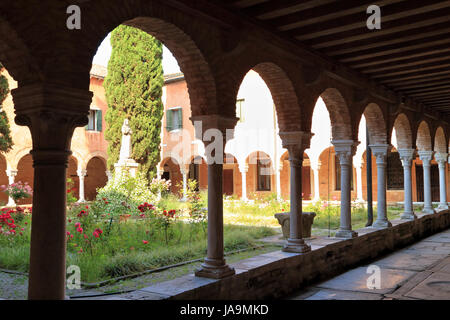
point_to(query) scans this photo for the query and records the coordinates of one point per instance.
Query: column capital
(11, 172)
(81, 172)
(426, 157)
(224, 124)
(243, 167)
(296, 142)
(406, 156)
(345, 150)
(380, 152)
(441, 157)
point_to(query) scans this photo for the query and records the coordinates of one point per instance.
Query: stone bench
(307, 221)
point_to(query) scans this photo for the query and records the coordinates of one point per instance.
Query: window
(394, 172)
(174, 119)
(263, 175)
(94, 120)
(337, 170)
(240, 109)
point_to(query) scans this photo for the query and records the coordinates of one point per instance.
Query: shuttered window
(174, 119)
(94, 120)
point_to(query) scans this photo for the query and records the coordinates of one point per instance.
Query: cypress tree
(6, 142)
(133, 89)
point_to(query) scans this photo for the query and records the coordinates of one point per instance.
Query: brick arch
(341, 128)
(177, 30)
(280, 86)
(376, 124)
(3, 179)
(424, 141)
(18, 156)
(95, 177)
(440, 141)
(403, 132)
(25, 173)
(176, 177)
(97, 154)
(15, 56)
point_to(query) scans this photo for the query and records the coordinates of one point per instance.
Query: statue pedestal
(126, 165)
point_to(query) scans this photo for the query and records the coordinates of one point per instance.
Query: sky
(170, 64)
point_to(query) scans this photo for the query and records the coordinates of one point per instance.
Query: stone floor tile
(356, 280)
(435, 287)
(327, 294)
(408, 260)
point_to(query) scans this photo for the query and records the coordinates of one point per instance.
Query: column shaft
(426, 157)
(345, 150)
(380, 152)
(48, 233)
(442, 158)
(406, 156)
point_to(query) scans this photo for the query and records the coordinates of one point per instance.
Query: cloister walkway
(419, 271)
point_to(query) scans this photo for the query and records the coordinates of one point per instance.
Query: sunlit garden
(134, 226)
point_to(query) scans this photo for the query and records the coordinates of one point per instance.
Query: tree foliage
(133, 90)
(6, 142)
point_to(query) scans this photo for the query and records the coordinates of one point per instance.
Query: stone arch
(376, 124)
(81, 163)
(281, 89)
(95, 177)
(3, 179)
(15, 56)
(403, 131)
(96, 154)
(424, 141)
(25, 173)
(266, 181)
(341, 128)
(172, 171)
(17, 156)
(440, 141)
(178, 31)
(72, 167)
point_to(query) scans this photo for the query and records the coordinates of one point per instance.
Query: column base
(296, 246)
(214, 269)
(428, 211)
(81, 201)
(381, 224)
(11, 204)
(346, 234)
(408, 216)
(442, 206)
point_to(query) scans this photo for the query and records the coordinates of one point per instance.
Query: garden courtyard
(133, 236)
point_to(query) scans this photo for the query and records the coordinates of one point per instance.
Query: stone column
(315, 166)
(345, 149)
(380, 152)
(296, 142)
(184, 173)
(426, 157)
(213, 131)
(243, 168)
(11, 177)
(278, 179)
(406, 156)
(442, 159)
(51, 113)
(359, 188)
(81, 174)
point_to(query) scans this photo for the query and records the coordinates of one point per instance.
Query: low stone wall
(276, 274)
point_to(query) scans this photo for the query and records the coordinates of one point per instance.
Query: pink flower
(80, 230)
(144, 241)
(77, 225)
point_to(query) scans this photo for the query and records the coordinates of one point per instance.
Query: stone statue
(125, 148)
(126, 163)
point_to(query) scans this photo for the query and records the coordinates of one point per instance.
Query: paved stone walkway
(420, 271)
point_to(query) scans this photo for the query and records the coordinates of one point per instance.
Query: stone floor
(418, 272)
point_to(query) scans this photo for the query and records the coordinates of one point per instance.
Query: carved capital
(345, 150)
(81, 173)
(406, 156)
(211, 125)
(380, 152)
(296, 142)
(426, 157)
(441, 158)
